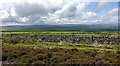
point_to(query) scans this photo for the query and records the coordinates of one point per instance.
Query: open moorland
(60, 47)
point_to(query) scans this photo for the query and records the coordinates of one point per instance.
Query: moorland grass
(32, 43)
(23, 50)
(23, 55)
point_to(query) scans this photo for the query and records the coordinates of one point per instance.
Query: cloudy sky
(54, 12)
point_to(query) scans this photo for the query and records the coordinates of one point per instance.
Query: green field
(37, 32)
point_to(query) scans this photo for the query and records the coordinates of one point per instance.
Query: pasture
(77, 33)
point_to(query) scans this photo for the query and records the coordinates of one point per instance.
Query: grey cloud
(35, 20)
(10, 19)
(67, 12)
(28, 9)
(71, 11)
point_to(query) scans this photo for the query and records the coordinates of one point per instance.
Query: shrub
(41, 57)
(49, 55)
(74, 49)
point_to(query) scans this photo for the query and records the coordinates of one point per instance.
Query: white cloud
(81, 6)
(68, 10)
(3, 14)
(24, 19)
(113, 12)
(13, 12)
(23, 12)
(89, 15)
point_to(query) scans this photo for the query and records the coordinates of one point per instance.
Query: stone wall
(74, 39)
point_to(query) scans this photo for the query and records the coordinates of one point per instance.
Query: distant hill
(66, 27)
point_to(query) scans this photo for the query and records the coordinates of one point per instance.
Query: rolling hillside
(85, 28)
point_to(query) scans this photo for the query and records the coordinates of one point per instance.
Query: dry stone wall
(74, 39)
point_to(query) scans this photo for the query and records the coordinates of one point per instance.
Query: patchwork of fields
(22, 47)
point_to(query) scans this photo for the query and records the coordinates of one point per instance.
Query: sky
(55, 12)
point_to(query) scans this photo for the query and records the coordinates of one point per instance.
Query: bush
(74, 49)
(49, 55)
(41, 57)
